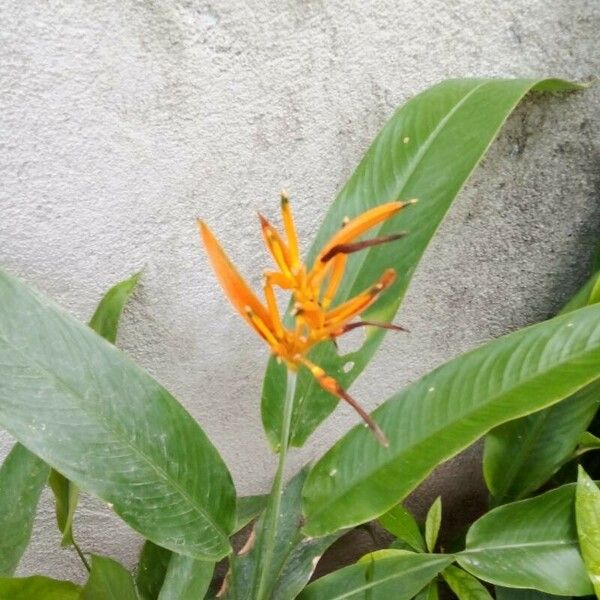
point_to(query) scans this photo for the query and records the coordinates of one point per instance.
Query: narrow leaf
(294, 556)
(587, 510)
(37, 588)
(379, 576)
(446, 411)
(108, 581)
(95, 416)
(66, 496)
(522, 455)
(464, 585)
(433, 523)
(105, 321)
(186, 578)
(22, 479)
(427, 150)
(151, 570)
(403, 525)
(429, 593)
(529, 544)
(587, 441)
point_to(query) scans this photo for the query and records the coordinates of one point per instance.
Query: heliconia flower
(313, 291)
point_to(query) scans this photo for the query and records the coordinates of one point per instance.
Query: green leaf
(248, 508)
(427, 150)
(22, 479)
(108, 581)
(105, 322)
(512, 594)
(443, 413)
(587, 511)
(294, 556)
(37, 588)
(151, 570)
(379, 576)
(95, 416)
(529, 544)
(522, 455)
(432, 523)
(403, 525)
(587, 441)
(186, 578)
(464, 585)
(429, 593)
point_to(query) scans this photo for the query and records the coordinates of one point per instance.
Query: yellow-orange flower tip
(388, 277)
(285, 198)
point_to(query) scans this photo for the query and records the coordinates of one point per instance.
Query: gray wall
(123, 120)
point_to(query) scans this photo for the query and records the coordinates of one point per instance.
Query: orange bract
(313, 290)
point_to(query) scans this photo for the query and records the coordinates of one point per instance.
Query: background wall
(123, 120)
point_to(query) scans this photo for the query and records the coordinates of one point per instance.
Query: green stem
(81, 556)
(272, 515)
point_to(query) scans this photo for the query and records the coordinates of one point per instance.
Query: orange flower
(313, 291)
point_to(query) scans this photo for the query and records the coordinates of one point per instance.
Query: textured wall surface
(123, 120)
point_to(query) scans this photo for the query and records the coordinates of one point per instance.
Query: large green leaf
(186, 578)
(37, 588)
(512, 594)
(86, 409)
(427, 151)
(447, 410)
(464, 585)
(529, 544)
(429, 593)
(294, 556)
(379, 576)
(587, 511)
(104, 322)
(522, 455)
(108, 581)
(22, 479)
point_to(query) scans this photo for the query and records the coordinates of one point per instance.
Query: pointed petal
(276, 246)
(290, 230)
(357, 246)
(235, 288)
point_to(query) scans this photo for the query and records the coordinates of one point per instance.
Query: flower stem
(274, 505)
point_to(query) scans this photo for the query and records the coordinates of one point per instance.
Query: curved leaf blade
(521, 455)
(126, 439)
(529, 544)
(22, 478)
(447, 410)
(427, 150)
(379, 576)
(403, 525)
(587, 512)
(464, 585)
(186, 578)
(151, 570)
(108, 580)
(433, 523)
(40, 588)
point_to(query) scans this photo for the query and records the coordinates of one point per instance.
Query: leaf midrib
(105, 424)
(492, 400)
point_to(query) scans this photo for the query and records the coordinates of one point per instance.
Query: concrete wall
(123, 120)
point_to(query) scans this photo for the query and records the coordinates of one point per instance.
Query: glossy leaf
(103, 422)
(108, 580)
(104, 322)
(22, 479)
(446, 411)
(427, 150)
(151, 570)
(587, 442)
(37, 588)
(294, 556)
(433, 523)
(529, 544)
(587, 511)
(186, 578)
(522, 455)
(464, 585)
(403, 525)
(379, 576)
